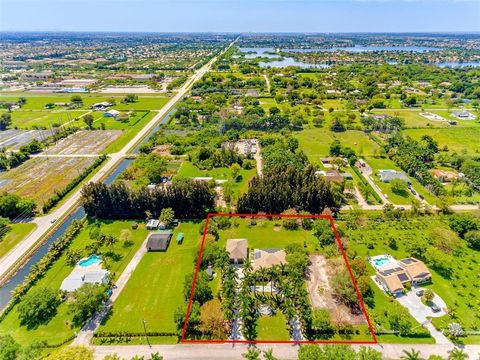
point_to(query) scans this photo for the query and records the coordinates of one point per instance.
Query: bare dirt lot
(85, 142)
(319, 288)
(38, 178)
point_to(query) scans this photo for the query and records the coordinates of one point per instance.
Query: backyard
(60, 327)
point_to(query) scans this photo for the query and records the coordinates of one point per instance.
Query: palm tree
(457, 354)
(268, 355)
(411, 355)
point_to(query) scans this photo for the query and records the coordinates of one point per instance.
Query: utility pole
(144, 322)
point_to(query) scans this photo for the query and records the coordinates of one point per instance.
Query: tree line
(187, 198)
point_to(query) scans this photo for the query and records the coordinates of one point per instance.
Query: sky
(241, 15)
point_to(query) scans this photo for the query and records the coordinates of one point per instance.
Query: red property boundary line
(344, 255)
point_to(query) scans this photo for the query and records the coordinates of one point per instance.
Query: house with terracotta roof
(237, 250)
(266, 258)
(416, 269)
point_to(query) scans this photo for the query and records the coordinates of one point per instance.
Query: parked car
(435, 308)
(421, 196)
(420, 293)
(413, 192)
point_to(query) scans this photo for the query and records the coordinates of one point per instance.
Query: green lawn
(273, 327)
(189, 170)
(315, 142)
(155, 289)
(457, 139)
(265, 235)
(59, 328)
(130, 129)
(15, 234)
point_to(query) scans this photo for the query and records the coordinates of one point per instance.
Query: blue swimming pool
(91, 260)
(382, 261)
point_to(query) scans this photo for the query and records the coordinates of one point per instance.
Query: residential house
(266, 258)
(388, 175)
(237, 250)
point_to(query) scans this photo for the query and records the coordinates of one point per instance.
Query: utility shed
(159, 241)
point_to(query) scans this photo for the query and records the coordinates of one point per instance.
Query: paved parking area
(420, 312)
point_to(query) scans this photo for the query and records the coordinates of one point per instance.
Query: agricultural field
(84, 142)
(38, 178)
(60, 327)
(14, 139)
(156, 288)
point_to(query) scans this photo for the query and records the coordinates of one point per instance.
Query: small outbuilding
(159, 241)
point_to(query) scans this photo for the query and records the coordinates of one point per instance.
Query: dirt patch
(319, 288)
(162, 149)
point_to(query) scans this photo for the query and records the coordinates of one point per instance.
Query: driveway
(419, 311)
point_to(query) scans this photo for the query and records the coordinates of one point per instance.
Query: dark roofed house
(159, 241)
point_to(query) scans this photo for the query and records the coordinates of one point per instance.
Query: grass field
(266, 235)
(189, 170)
(315, 142)
(155, 289)
(38, 101)
(59, 328)
(27, 119)
(129, 130)
(15, 234)
(456, 139)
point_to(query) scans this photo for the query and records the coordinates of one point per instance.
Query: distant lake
(289, 61)
(456, 64)
(368, 48)
(252, 53)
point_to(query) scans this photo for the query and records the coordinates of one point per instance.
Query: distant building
(388, 175)
(444, 175)
(112, 113)
(101, 105)
(331, 175)
(159, 241)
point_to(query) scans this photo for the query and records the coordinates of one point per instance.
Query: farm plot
(85, 142)
(456, 139)
(38, 178)
(14, 139)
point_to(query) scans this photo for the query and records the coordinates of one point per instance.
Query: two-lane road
(45, 223)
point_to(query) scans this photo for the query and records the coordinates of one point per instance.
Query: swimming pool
(381, 261)
(91, 260)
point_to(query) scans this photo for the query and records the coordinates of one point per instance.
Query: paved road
(282, 351)
(44, 223)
